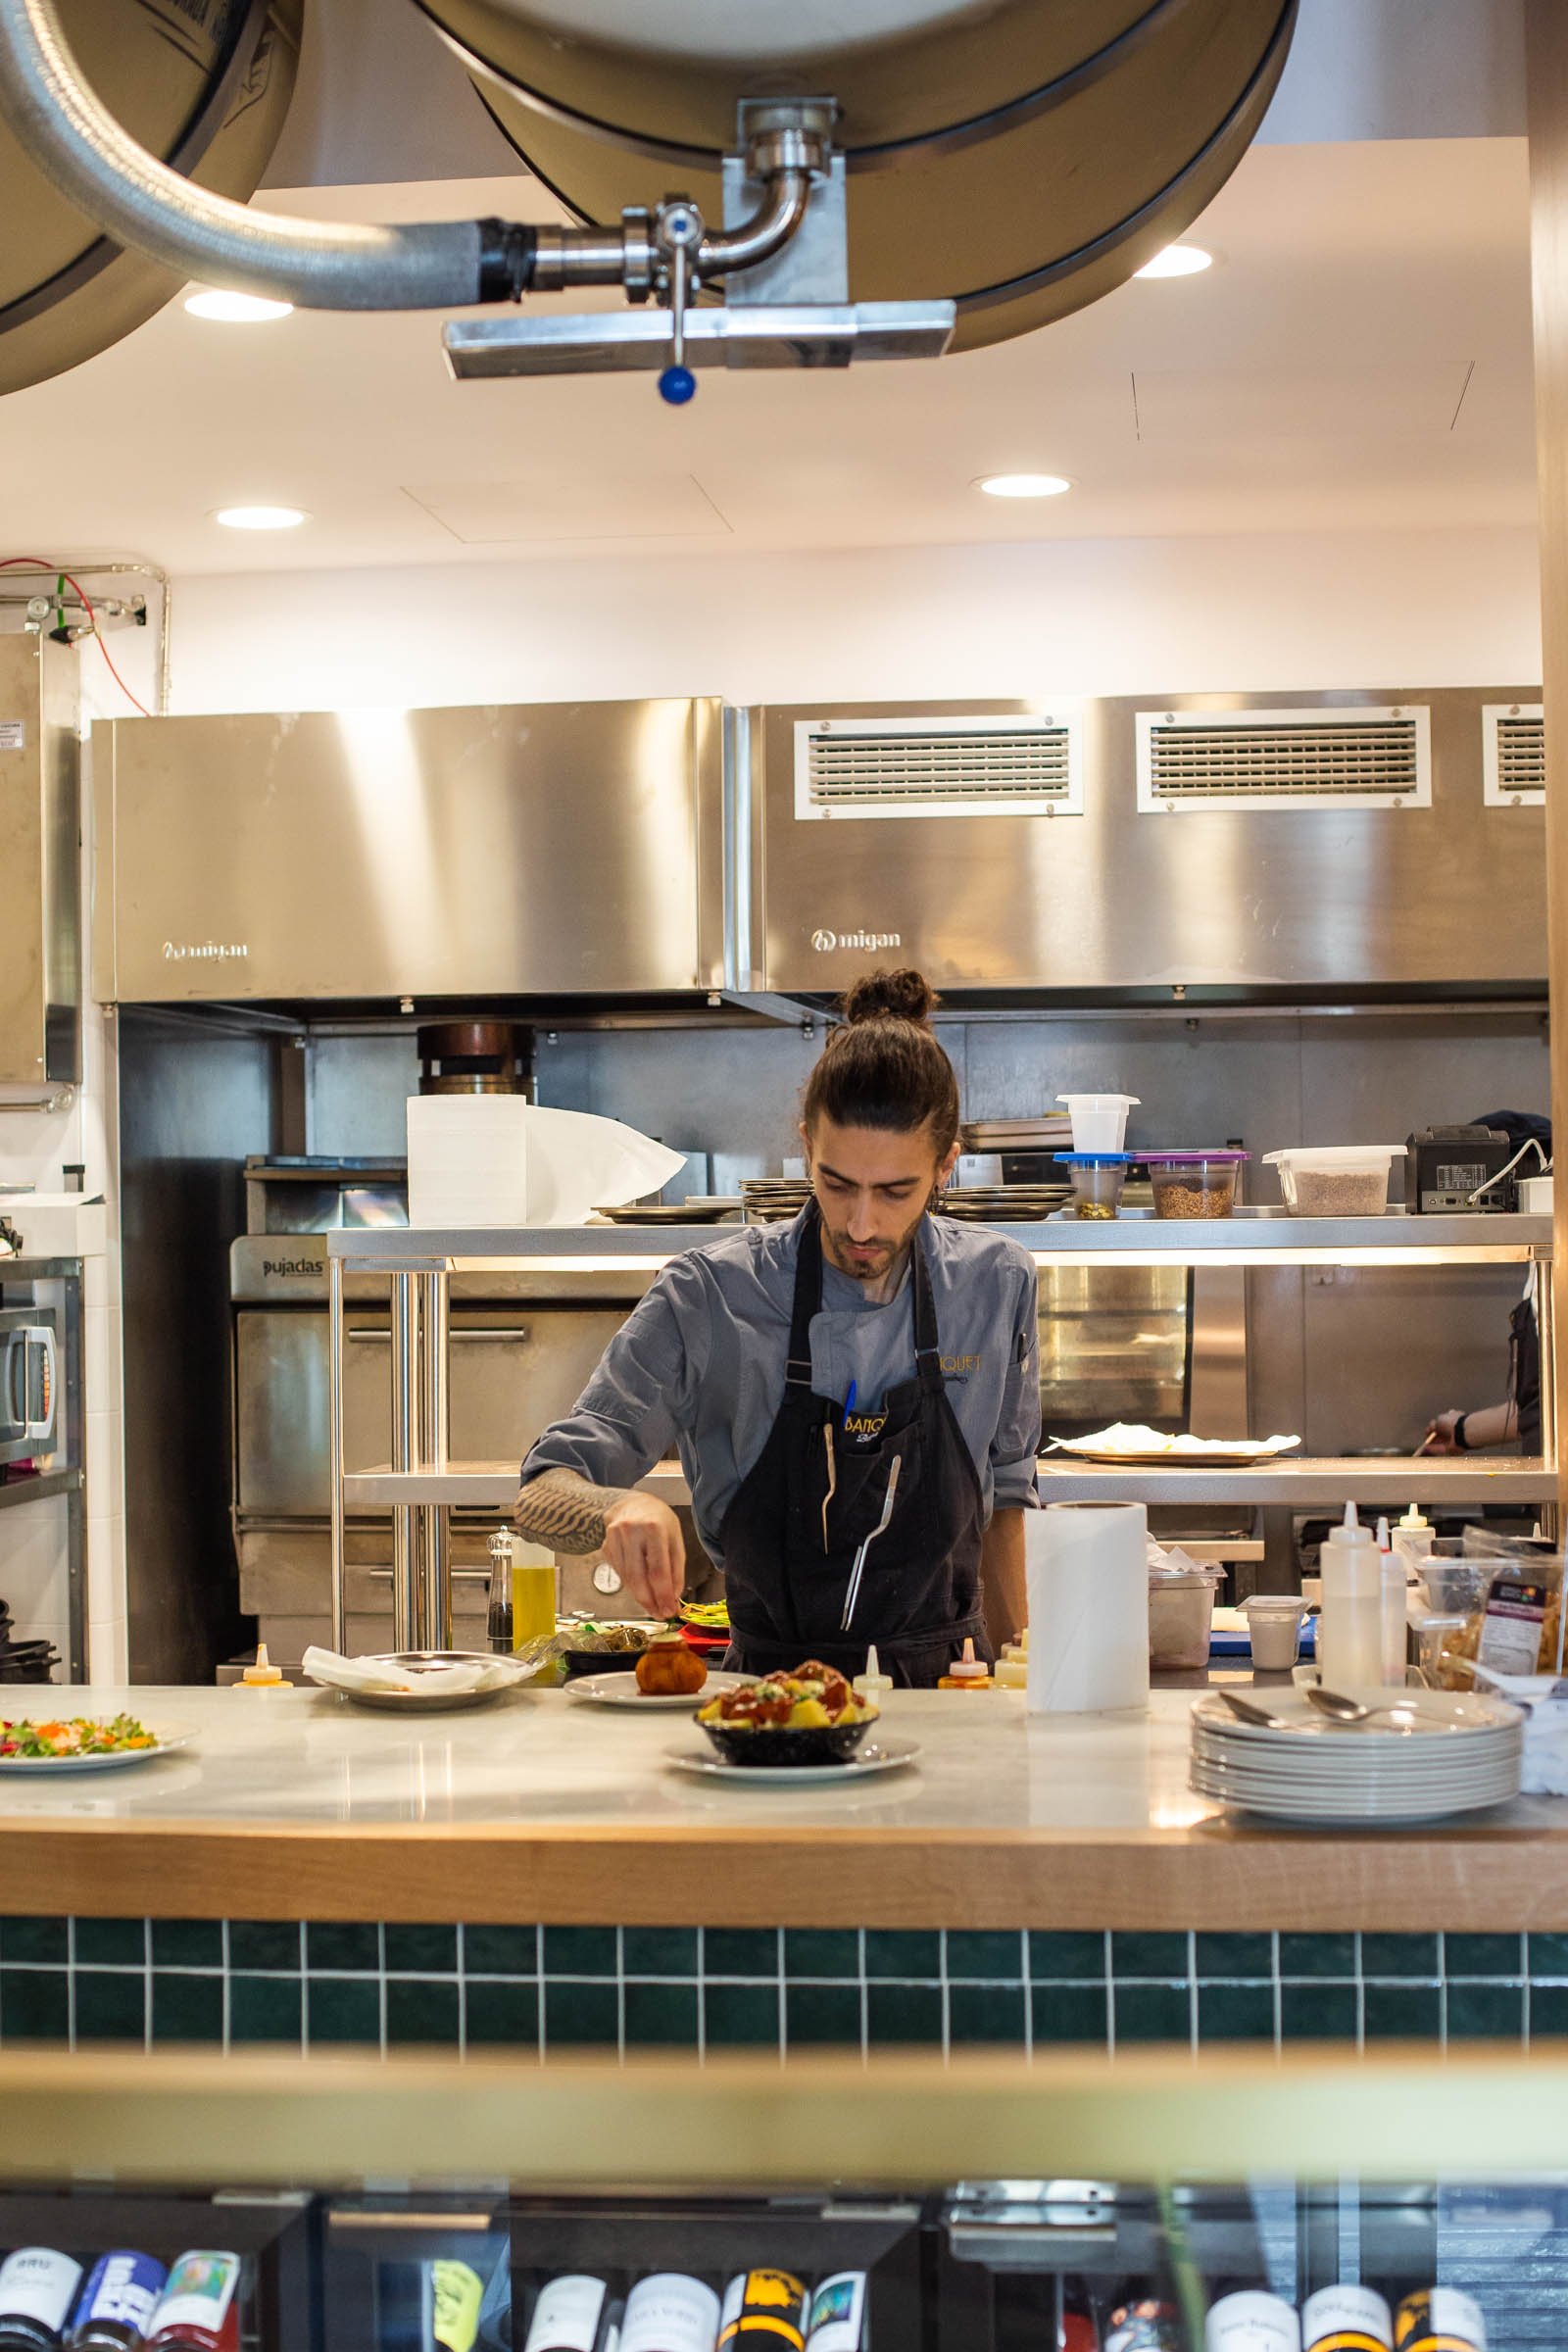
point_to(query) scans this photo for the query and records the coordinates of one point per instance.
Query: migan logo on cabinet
(824, 941)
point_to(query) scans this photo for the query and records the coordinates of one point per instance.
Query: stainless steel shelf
(1305, 1484)
(481, 1486)
(1301, 1484)
(34, 1490)
(1252, 1237)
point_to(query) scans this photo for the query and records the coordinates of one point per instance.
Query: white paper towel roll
(1088, 1576)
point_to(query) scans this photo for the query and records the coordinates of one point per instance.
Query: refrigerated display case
(422, 2207)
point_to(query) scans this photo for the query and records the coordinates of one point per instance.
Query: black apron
(789, 1546)
(1523, 1370)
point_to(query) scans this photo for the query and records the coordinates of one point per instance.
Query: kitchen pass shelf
(418, 1263)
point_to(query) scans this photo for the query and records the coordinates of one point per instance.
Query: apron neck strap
(807, 1303)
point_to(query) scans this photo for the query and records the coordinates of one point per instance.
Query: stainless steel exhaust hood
(1157, 845)
(40, 852)
(551, 849)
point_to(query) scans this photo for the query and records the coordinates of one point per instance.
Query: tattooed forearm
(563, 1511)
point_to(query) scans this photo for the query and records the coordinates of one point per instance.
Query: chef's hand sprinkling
(644, 1543)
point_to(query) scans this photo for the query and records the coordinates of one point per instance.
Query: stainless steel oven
(29, 1383)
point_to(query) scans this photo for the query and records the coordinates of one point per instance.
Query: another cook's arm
(578, 1491)
(1013, 1452)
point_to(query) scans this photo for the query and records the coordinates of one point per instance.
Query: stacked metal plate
(1003, 1204)
(1050, 1132)
(1423, 1754)
(773, 1199)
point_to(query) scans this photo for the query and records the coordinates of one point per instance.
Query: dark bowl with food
(607, 1648)
(775, 1746)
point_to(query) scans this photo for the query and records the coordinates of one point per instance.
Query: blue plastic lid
(1093, 1159)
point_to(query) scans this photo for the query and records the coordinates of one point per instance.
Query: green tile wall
(483, 1989)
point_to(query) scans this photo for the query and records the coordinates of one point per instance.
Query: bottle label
(838, 2314)
(567, 2316)
(1440, 2319)
(121, 2291)
(1346, 2319)
(37, 2283)
(201, 2287)
(669, 2313)
(765, 2308)
(1253, 2321)
(1146, 2326)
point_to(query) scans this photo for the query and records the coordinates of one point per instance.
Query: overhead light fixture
(237, 310)
(1024, 485)
(260, 518)
(1177, 260)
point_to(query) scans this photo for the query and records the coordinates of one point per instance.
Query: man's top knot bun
(904, 996)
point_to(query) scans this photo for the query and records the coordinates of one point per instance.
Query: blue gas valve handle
(676, 385)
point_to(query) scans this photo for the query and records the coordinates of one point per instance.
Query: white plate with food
(621, 1690)
(872, 1756)
(47, 1743)
(1126, 1443)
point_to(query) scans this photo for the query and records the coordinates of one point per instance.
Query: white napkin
(1544, 1700)
(375, 1674)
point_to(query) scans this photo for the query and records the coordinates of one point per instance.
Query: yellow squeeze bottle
(262, 1675)
(968, 1673)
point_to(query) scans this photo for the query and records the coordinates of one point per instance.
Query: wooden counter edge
(1211, 1875)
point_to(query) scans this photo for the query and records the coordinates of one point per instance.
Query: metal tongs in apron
(880, 1529)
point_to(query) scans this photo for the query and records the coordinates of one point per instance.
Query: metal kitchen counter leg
(76, 1452)
(405, 1448)
(334, 1413)
(1547, 1334)
(433, 1614)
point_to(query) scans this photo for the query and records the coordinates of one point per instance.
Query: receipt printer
(1444, 1167)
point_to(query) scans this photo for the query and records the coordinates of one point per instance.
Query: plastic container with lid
(1181, 1616)
(1098, 1121)
(1097, 1178)
(1335, 1180)
(1193, 1184)
(1274, 1628)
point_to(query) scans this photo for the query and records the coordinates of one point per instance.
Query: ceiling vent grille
(1513, 742)
(962, 766)
(1344, 759)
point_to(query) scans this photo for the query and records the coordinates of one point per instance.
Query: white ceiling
(1360, 359)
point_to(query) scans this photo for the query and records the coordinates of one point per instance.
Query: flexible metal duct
(205, 88)
(1021, 157)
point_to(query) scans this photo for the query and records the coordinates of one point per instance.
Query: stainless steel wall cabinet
(559, 848)
(40, 818)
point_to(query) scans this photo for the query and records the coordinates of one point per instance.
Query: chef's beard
(838, 1249)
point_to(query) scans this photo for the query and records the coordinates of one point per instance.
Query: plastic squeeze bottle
(968, 1673)
(873, 1682)
(1395, 1637)
(263, 1675)
(1413, 1534)
(1349, 1641)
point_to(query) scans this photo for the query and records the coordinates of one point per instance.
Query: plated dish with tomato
(80, 1742)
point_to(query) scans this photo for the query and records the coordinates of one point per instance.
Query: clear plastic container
(1336, 1180)
(1193, 1184)
(1181, 1616)
(1274, 1630)
(1098, 1121)
(1097, 1178)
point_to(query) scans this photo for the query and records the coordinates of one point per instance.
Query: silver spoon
(1339, 1709)
(1250, 1713)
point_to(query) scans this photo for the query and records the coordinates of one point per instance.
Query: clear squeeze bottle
(1349, 1641)
(1396, 1637)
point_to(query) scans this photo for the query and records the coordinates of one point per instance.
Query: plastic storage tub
(1097, 1178)
(1098, 1121)
(1336, 1180)
(1181, 1615)
(1274, 1628)
(1193, 1184)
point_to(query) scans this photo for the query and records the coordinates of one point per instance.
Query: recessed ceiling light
(1024, 485)
(260, 518)
(1177, 260)
(239, 310)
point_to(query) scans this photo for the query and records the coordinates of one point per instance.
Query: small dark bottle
(499, 1624)
(117, 2302)
(38, 2285)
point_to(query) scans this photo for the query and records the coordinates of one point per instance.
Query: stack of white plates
(1439, 1752)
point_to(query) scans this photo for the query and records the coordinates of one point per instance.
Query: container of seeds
(1193, 1184)
(1097, 1178)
